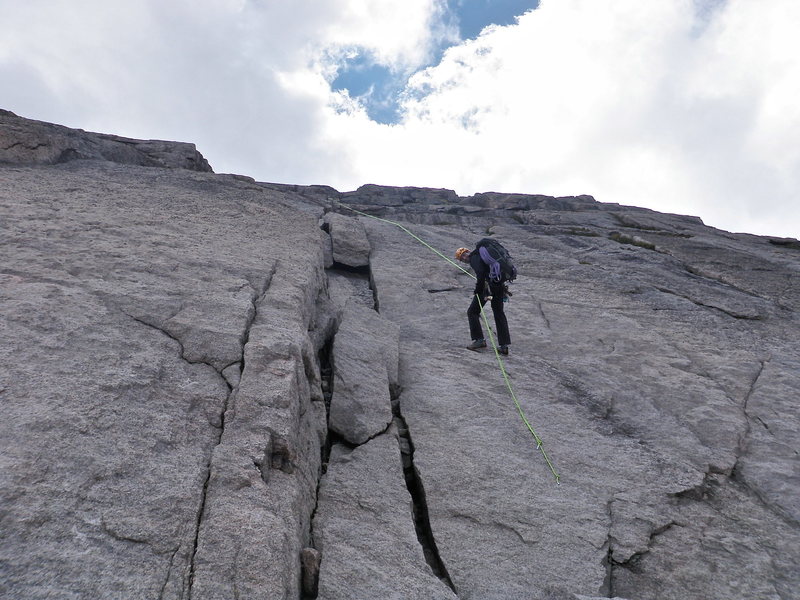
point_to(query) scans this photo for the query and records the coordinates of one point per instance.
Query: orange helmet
(461, 252)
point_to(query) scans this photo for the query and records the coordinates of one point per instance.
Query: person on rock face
(488, 284)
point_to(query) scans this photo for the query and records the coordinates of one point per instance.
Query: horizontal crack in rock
(730, 313)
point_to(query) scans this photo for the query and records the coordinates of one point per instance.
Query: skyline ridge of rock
(219, 388)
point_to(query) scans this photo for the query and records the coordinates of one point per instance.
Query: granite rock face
(365, 369)
(189, 412)
(363, 490)
(28, 142)
(160, 384)
(349, 244)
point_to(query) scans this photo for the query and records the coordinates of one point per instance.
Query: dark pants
(474, 315)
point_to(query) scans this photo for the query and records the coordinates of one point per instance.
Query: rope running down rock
(539, 442)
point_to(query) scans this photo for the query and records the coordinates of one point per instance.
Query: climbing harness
(539, 442)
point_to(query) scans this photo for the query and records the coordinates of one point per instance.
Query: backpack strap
(494, 264)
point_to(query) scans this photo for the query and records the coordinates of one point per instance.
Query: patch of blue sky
(379, 89)
(374, 85)
(474, 15)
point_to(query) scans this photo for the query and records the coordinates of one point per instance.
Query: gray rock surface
(165, 375)
(349, 243)
(127, 456)
(364, 524)
(344, 287)
(27, 142)
(365, 368)
(640, 376)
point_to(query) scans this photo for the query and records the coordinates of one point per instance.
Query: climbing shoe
(504, 350)
(477, 344)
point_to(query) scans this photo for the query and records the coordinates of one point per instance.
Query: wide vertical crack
(413, 481)
(325, 357)
(375, 302)
(608, 583)
(310, 556)
(416, 489)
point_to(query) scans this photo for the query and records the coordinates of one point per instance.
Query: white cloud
(400, 34)
(244, 80)
(685, 106)
(657, 104)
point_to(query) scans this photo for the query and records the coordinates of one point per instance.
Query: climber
(493, 269)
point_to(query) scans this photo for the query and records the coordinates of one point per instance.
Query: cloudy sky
(684, 106)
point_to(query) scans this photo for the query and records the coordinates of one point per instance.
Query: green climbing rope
(539, 442)
(420, 240)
